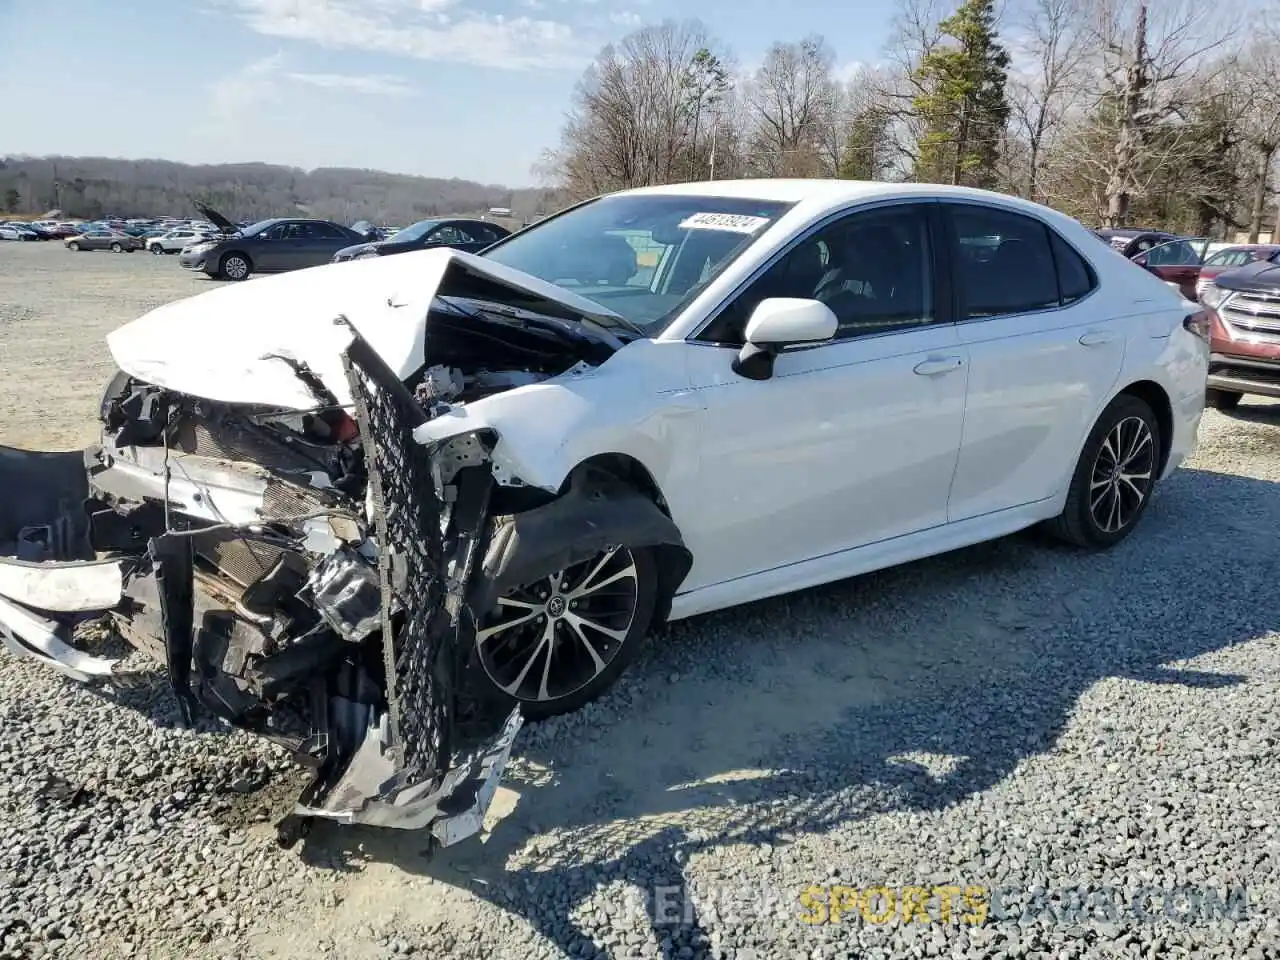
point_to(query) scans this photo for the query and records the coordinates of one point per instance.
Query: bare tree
(794, 97)
(636, 110)
(1051, 44)
(1147, 54)
(1257, 76)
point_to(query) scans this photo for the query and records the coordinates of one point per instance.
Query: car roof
(819, 194)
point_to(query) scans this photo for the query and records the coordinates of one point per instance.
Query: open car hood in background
(214, 217)
(244, 342)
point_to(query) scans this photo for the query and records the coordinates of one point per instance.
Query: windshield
(256, 228)
(415, 231)
(641, 256)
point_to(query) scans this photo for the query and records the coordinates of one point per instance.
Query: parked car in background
(173, 241)
(101, 239)
(1240, 255)
(17, 231)
(1243, 304)
(1176, 262)
(458, 234)
(1130, 241)
(270, 246)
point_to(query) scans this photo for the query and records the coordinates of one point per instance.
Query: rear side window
(1075, 277)
(1005, 264)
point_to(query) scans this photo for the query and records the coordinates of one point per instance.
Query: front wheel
(1114, 477)
(73, 245)
(157, 249)
(116, 248)
(234, 266)
(558, 643)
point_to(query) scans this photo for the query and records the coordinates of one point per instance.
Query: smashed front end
(305, 576)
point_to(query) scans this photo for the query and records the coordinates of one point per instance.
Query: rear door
(1043, 356)
(321, 242)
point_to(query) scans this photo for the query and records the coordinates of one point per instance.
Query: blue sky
(466, 88)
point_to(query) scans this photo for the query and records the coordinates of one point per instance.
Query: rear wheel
(1114, 477)
(115, 247)
(1222, 399)
(558, 643)
(234, 266)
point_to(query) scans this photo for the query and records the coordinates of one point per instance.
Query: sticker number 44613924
(734, 222)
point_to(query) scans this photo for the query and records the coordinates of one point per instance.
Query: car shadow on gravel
(907, 690)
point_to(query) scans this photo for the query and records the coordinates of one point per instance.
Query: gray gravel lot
(1043, 723)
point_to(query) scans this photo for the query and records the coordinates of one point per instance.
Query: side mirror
(779, 322)
(1140, 259)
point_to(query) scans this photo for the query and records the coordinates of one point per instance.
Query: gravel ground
(1045, 724)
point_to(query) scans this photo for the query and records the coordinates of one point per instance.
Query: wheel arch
(1157, 398)
(234, 252)
(641, 519)
(674, 560)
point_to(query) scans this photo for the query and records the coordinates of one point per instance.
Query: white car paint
(857, 454)
(180, 237)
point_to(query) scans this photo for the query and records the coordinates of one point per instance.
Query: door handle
(938, 365)
(1096, 338)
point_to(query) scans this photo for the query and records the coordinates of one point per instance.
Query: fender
(637, 403)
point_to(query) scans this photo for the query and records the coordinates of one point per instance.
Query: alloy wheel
(548, 640)
(1122, 474)
(236, 268)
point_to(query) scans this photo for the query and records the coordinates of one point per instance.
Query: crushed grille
(418, 636)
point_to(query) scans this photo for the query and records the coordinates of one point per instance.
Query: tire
(116, 248)
(157, 250)
(234, 266)
(1121, 426)
(503, 652)
(73, 245)
(1222, 399)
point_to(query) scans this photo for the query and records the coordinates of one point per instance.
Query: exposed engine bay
(314, 576)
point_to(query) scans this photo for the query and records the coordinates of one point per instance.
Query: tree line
(1117, 112)
(92, 187)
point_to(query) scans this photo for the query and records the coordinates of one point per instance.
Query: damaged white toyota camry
(370, 509)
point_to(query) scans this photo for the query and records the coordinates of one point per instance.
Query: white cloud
(420, 28)
(236, 101)
(378, 84)
(625, 18)
(235, 95)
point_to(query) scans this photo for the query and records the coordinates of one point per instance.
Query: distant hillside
(97, 186)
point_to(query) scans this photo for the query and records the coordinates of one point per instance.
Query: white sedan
(656, 404)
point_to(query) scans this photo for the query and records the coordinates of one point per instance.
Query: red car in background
(1240, 255)
(1177, 262)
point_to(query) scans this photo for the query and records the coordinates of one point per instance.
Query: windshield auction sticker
(732, 222)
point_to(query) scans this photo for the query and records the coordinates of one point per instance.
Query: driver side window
(873, 269)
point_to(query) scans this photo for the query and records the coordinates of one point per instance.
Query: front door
(1043, 358)
(850, 441)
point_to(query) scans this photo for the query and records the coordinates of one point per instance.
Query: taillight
(1197, 324)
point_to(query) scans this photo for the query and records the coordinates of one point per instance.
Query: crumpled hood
(225, 344)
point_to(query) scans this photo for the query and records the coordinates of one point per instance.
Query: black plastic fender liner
(598, 511)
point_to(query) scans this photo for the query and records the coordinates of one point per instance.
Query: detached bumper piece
(385, 741)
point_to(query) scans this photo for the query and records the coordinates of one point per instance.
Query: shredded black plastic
(418, 633)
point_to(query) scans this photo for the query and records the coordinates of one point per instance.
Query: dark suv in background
(1244, 333)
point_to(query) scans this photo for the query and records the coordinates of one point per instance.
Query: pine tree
(962, 104)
